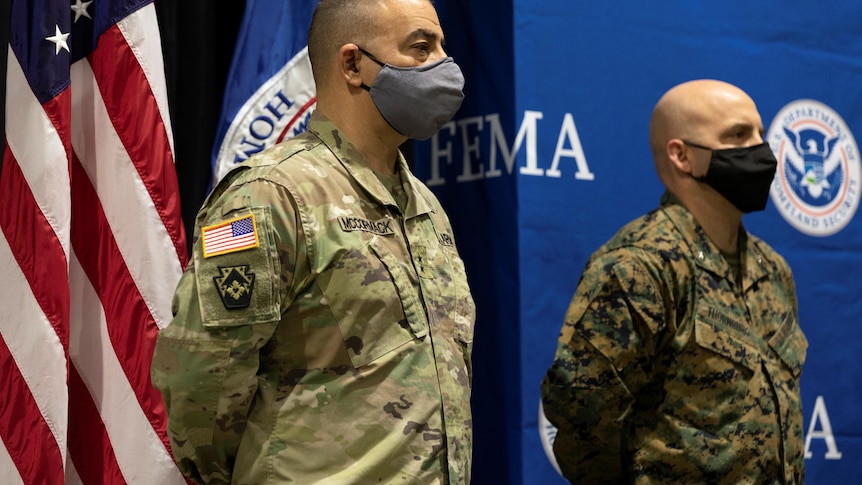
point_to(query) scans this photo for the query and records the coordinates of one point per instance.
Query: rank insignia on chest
(234, 285)
(446, 239)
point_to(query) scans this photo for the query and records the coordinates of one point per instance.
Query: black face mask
(741, 175)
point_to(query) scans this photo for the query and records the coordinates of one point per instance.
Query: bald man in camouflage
(322, 332)
(680, 355)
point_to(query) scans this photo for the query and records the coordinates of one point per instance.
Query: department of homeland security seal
(816, 185)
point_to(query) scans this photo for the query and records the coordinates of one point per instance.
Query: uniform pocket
(726, 345)
(452, 299)
(790, 344)
(464, 311)
(373, 302)
(717, 368)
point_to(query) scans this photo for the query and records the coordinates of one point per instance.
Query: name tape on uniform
(383, 227)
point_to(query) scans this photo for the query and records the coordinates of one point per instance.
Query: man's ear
(679, 156)
(348, 64)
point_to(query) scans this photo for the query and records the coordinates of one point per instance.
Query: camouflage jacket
(319, 334)
(669, 371)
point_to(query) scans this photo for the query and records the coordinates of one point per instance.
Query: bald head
(707, 112)
(689, 109)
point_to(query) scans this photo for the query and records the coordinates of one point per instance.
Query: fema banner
(270, 90)
(549, 156)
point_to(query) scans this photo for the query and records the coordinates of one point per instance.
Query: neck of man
(379, 154)
(719, 219)
(373, 138)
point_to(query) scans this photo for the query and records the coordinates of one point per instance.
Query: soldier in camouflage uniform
(323, 330)
(680, 355)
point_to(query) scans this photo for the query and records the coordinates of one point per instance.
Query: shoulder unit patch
(234, 285)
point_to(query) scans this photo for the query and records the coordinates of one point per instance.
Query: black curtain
(198, 38)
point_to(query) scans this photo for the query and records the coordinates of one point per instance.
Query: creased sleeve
(604, 359)
(226, 308)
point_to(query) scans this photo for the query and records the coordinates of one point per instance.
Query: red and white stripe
(91, 250)
(220, 239)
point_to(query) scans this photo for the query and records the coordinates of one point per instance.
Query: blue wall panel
(549, 156)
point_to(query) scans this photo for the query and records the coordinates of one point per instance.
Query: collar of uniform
(417, 203)
(354, 163)
(706, 253)
(754, 262)
(703, 251)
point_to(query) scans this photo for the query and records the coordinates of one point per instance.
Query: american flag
(91, 244)
(229, 236)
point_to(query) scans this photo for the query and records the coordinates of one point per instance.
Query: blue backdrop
(549, 156)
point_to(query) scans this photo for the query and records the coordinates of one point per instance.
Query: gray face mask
(417, 101)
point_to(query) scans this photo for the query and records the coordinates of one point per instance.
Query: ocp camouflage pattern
(351, 361)
(669, 371)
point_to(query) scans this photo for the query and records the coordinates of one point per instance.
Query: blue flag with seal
(269, 93)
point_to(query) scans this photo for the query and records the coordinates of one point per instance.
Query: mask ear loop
(702, 178)
(370, 56)
(696, 145)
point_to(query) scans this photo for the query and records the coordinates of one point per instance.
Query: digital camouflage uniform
(669, 372)
(335, 351)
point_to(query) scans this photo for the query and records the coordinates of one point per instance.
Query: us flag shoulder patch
(230, 236)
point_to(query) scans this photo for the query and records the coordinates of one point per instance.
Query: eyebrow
(742, 126)
(424, 34)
